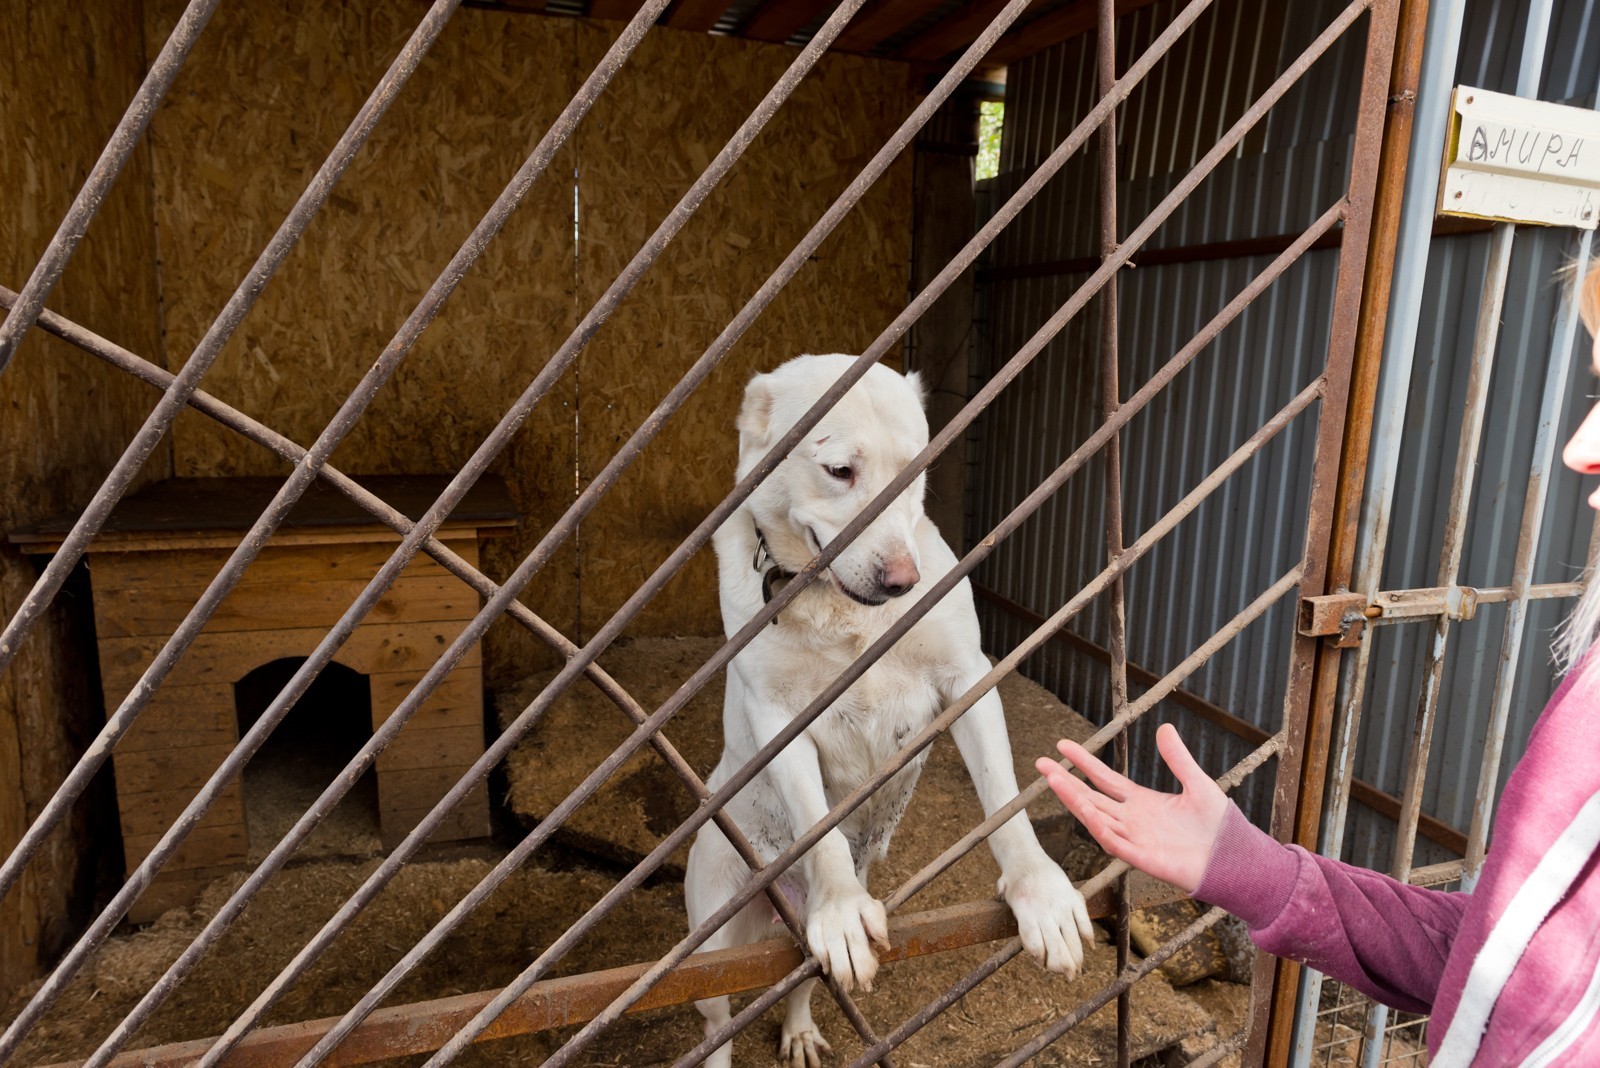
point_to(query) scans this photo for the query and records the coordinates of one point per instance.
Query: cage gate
(535, 1001)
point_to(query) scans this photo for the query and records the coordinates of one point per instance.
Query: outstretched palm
(1168, 836)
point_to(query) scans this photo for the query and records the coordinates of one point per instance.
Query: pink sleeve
(1383, 937)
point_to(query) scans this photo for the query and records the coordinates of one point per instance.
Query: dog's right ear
(755, 414)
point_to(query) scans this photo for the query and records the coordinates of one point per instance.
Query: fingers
(1177, 757)
(1104, 779)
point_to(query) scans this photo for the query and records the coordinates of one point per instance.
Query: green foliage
(991, 115)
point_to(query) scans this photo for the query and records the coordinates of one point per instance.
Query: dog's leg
(715, 872)
(1052, 918)
(801, 1045)
(843, 921)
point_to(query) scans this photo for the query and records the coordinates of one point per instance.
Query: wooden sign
(1514, 160)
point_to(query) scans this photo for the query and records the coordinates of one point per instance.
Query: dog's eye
(843, 474)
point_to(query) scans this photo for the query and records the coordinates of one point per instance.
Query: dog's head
(871, 434)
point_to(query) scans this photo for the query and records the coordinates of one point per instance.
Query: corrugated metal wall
(1283, 177)
(1491, 39)
(1286, 174)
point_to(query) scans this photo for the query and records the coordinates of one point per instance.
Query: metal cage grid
(360, 1035)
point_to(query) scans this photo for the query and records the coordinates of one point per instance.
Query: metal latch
(1343, 616)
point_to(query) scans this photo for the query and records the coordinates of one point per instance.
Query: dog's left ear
(918, 386)
(756, 412)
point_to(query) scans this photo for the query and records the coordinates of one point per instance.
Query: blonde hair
(1578, 633)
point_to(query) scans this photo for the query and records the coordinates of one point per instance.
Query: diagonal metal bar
(124, 139)
(848, 804)
(172, 402)
(1123, 982)
(304, 473)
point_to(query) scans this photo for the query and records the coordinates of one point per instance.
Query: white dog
(868, 438)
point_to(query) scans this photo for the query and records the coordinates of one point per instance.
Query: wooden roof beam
(1062, 24)
(779, 20)
(619, 10)
(697, 16)
(879, 21)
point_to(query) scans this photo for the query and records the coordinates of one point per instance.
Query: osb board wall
(646, 142)
(268, 92)
(66, 73)
(232, 152)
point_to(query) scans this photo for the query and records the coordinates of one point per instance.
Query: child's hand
(1168, 836)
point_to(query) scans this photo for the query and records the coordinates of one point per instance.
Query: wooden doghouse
(148, 568)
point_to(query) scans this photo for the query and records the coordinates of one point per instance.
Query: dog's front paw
(841, 929)
(1052, 918)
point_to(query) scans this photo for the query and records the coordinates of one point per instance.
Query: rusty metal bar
(1273, 1016)
(166, 410)
(421, 1027)
(923, 739)
(703, 532)
(124, 139)
(304, 473)
(1110, 395)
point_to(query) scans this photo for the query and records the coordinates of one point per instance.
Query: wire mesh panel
(1315, 398)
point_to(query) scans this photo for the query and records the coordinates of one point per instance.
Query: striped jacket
(1509, 970)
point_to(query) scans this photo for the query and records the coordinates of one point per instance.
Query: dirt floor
(540, 901)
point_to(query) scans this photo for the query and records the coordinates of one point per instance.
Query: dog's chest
(873, 720)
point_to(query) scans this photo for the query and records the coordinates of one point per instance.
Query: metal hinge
(1343, 616)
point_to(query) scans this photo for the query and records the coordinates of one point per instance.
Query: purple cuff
(1250, 873)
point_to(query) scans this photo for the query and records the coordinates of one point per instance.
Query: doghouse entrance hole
(324, 729)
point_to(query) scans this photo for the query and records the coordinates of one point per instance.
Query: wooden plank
(140, 542)
(229, 657)
(152, 812)
(959, 30)
(404, 1030)
(130, 610)
(205, 847)
(879, 21)
(458, 702)
(346, 562)
(620, 10)
(185, 768)
(1062, 24)
(696, 16)
(416, 748)
(779, 20)
(179, 717)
